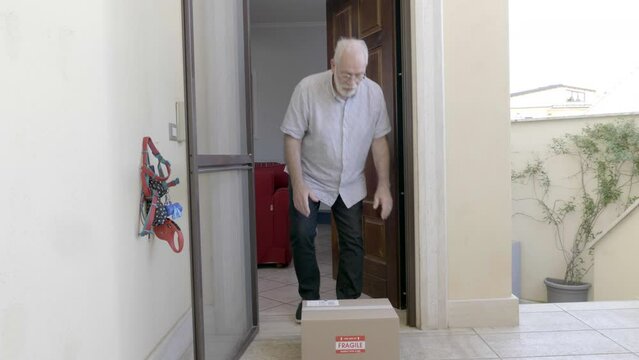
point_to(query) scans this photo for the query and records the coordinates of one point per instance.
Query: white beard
(343, 92)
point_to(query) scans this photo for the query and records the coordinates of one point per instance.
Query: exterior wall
(555, 96)
(281, 55)
(83, 82)
(539, 255)
(551, 102)
(476, 95)
(616, 261)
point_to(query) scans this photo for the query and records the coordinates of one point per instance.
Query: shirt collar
(332, 88)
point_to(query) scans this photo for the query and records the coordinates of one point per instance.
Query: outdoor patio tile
(584, 357)
(404, 329)
(444, 347)
(529, 308)
(539, 321)
(609, 319)
(599, 305)
(628, 338)
(551, 344)
(284, 294)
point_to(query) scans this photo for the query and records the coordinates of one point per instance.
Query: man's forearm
(293, 155)
(381, 159)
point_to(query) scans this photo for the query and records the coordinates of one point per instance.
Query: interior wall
(83, 82)
(144, 82)
(282, 55)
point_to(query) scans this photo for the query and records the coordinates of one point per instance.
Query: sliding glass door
(221, 177)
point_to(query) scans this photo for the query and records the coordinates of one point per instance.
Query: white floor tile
(284, 294)
(266, 285)
(266, 303)
(584, 357)
(325, 269)
(284, 275)
(540, 321)
(599, 305)
(628, 338)
(609, 319)
(273, 350)
(280, 309)
(552, 344)
(327, 283)
(444, 347)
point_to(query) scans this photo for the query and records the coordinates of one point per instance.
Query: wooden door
(374, 22)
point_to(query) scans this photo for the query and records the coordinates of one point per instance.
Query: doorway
(225, 139)
(289, 41)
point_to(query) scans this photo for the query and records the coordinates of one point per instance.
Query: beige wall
(477, 142)
(616, 265)
(540, 257)
(476, 111)
(83, 82)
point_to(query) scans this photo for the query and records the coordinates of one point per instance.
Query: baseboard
(483, 312)
(177, 341)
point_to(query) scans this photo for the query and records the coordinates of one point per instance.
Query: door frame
(209, 163)
(403, 28)
(429, 162)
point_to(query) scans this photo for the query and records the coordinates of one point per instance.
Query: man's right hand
(301, 194)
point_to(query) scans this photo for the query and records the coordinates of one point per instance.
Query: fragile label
(350, 344)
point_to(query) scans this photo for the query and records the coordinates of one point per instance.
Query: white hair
(344, 44)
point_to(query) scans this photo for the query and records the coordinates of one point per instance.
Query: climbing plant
(607, 156)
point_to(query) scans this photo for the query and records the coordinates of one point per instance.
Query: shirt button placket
(344, 140)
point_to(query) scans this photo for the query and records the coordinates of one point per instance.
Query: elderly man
(332, 121)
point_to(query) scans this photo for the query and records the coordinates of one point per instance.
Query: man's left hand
(383, 198)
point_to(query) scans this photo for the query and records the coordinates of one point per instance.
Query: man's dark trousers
(351, 249)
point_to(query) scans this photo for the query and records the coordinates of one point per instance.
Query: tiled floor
(569, 331)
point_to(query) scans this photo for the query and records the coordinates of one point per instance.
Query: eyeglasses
(348, 76)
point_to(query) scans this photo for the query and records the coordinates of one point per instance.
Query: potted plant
(607, 156)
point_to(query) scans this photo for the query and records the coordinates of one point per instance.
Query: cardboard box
(362, 329)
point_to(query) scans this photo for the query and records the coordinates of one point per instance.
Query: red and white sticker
(350, 344)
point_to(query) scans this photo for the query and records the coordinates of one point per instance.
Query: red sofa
(271, 214)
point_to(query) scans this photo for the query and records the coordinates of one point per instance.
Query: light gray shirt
(336, 135)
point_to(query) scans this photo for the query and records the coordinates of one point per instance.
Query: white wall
(83, 82)
(282, 54)
(540, 257)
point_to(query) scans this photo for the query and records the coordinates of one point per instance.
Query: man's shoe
(298, 313)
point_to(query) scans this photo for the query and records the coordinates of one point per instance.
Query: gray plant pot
(559, 291)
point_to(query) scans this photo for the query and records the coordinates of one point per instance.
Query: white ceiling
(287, 11)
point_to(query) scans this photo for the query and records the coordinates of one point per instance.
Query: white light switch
(173, 132)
